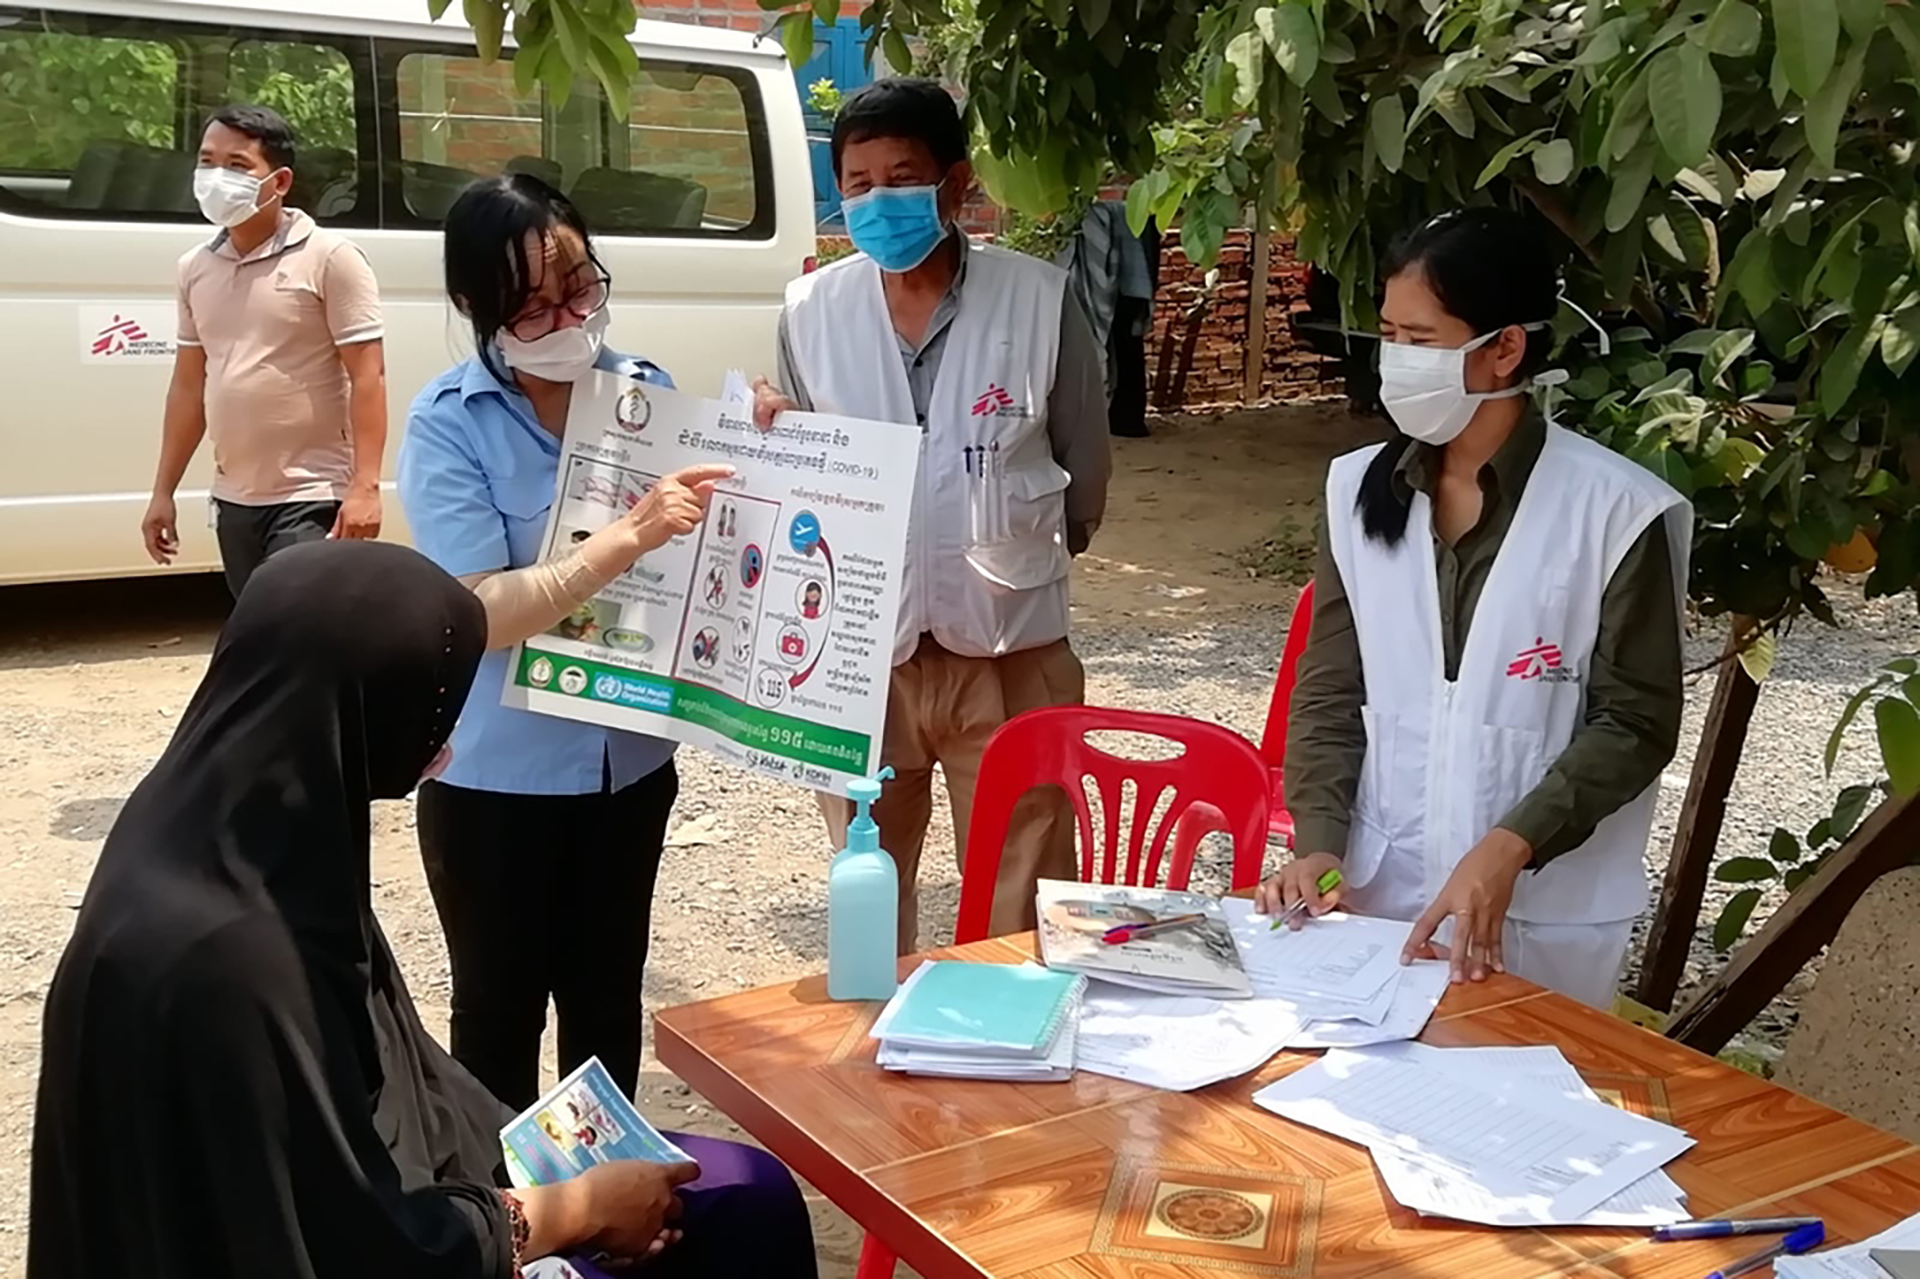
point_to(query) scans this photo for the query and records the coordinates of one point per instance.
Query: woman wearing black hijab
(234, 1082)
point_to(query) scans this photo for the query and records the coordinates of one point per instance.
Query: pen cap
(863, 833)
(1807, 1237)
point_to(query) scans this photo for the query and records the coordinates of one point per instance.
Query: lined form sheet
(1520, 1152)
(1854, 1261)
(1339, 957)
(1410, 1001)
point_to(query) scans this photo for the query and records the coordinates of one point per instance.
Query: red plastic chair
(1219, 783)
(1273, 741)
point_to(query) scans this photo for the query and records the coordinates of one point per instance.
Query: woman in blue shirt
(535, 816)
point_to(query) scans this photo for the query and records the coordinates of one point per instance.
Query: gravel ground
(91, 680)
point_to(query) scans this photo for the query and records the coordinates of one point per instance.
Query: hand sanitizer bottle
(863, 906)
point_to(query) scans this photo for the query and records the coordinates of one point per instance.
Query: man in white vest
(982, 349)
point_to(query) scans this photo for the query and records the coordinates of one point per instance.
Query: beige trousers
(942, 708)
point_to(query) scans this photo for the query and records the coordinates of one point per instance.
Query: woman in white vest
(1492, 683)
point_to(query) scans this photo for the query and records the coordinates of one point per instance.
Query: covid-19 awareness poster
(766, 634)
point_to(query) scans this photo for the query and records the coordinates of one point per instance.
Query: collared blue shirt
(477, 476)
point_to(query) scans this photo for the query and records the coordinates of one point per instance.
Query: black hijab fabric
(234, 1083)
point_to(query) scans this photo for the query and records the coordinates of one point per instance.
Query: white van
(701, 202)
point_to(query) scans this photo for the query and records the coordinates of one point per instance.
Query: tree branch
(1548, 204)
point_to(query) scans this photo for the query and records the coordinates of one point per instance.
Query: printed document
(1337, 958)
(1527, 1155)
(1853, 1261)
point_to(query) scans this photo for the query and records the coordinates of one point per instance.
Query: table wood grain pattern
(1101, 1179)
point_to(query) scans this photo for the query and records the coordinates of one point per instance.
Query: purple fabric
(744, 1219)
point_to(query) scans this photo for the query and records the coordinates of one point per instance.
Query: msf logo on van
(1543, 662)
(119, 334)
(997, 403)
(123, 336)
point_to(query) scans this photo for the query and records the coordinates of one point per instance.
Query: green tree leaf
(1807, 35)
(1733, 918)
(1684, 92)
(1733, 31)
(796, 37)
(1841, 372)
(1862, 18)
(1247, 55)
(1093, 14)
(1290, 31)
(899, 56)
(1631, 116)
(1848, 809)
(1758, 657)
(1387, 122)
(1629, 189)
(1784, 848)
(1747, 870)
(1553, 163)
(1898, 725)
(1827, 109)
(488, 18)
(1901, 342)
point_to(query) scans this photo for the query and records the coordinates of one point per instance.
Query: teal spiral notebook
(989, 1008)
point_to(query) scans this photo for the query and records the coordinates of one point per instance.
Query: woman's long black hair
(1490, 268)
(489, 276)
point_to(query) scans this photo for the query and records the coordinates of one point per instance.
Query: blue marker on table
(1724, 1227)
(1802, 1240)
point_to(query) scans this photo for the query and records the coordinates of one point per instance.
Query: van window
(691, 159)
(101, 116)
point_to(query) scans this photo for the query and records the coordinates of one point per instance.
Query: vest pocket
(1017, 527)
(1511, 762)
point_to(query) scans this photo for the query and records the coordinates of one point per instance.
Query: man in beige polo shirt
(279, 361)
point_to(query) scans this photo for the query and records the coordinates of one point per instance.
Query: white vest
(1446, 761)
(987, 561)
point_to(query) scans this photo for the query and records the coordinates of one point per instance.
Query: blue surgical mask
(898, 227)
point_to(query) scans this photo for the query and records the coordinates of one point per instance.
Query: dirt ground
(92, 678)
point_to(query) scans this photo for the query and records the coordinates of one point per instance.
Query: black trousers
(249, 534)
(1127, 413)
(545, 896)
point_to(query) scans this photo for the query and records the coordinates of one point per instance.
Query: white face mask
(227, 198)
(1424, 388)
(563, 355)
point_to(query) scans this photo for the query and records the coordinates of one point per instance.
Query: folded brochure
(1199, 958)
(584, 1121)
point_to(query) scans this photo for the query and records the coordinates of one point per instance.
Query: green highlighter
(1323, 885)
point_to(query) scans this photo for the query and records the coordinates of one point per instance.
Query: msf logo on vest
(998, 403)
(1543, 663)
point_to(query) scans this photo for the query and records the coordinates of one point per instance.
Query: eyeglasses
(583, 303)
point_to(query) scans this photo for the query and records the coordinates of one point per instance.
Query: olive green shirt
(1634, 689)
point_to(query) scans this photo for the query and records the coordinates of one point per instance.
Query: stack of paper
(1335, 983)
(1856, 1261)
(982, 1021)
(1489, 1136)
(1342, 975)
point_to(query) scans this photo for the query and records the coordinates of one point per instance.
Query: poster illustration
(766, 634)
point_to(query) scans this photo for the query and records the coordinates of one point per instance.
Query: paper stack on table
(1342, 975)
(1336, 982)
(982, 1021)
(1504, 1137)
(1854, 1261)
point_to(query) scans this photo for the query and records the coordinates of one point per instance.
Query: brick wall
(1217, 376)
(1218, 372)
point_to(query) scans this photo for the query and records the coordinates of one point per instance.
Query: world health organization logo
(607, 688)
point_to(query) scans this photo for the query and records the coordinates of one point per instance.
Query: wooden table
(1101, 1179)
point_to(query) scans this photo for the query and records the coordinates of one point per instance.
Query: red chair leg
(876, 1259)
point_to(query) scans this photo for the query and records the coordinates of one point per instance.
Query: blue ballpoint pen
(1723, 1227)
(1801, 1240)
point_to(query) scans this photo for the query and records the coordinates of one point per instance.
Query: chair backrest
(1858, 1035)
(1273, 740)
(1218, 782)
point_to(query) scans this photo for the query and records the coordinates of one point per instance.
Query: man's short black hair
(265, 126)
(904, 108)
